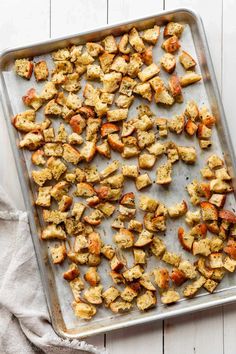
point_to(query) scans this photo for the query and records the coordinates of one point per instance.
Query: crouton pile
(76, 195)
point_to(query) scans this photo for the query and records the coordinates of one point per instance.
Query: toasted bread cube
(176, 124)
(107, 98)
(156, 149)
(133, 273)
(24, 68)
(94, 218)
(110, 169)
(203, 132)
(168, 62)
(161, 277)
(85, 190)
(61, 54)
(144, 238)
(175, 88)
(111, 82)
(230, 248)
(218, 274)
(56, 166)
(186, 240)
(48, 135)
(144, 90)
(146, 161)
(170, 296)
(187, 60)
(108, 251)
(94, 49)
(135, 64)
(205, 144)
(135, 225)
(173, 28)
(218, 200)
(124, 44)
(124, 101)
(32, 140)
(58, 253)
(84, 310)
(157, 247)
(146, 301)
(145, 138)
(191, 289)
(120, 65)
(41, 71)
(192, 111)
(127, 85)
(135, 41)
(201, 247)
(219, 186)
(210, 285)
(147, 56)
(117, 278)
(143, 123)
(115, 181)
(207, 173)
(117, 115)
(164, 173)
(139, 256)
(162, 96)
(120, 306)
(161, 124)
(147, 204)
(178, 210)
(190, 127)
(70, 154)
(76, 286)
(189, 78)
(78, 210)
(92, 276)
(94, 295)
(124, 238)
(53, 231)
(37, 158)
(171, 44)
(44, 196)
(128, 294)
(72, 272)
(81, 243)
(40, 177)
(193, 217)
(149, 72)
(188, 269)
(110, 295)
(216, 260)
(25, 121)
(130, 171)
(117, 262)
(151, 35)
(208, 211)
(229, 264)
(106, 60)
(59, 189)
(143, 181)
(171, 258)
(94, 72)
(187, 154)
(222, 174)
(110, 44)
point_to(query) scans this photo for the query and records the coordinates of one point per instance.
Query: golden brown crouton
(148, 72)
(58, 253)
(92, 276)
(53, 231)
(178, 209)
(193, 217)
(144, 90)
(84, 310)
(108, 251)
(188, 269)
(146, 301)
(24, 68)
(124, 44)
(189, 78)
(135, 64)
(44, 196)
(106, 60)
(133, 273)
(170, 296)
(164, 172)
(40, 177)
(72, 272)
(168, 62)
(157, 246)
(171, 258)
(176, 124)
(76, 285)
(151, 35)
(178, 277)
(94, 295)
(41, 71)
(110, 295)
(94, 49)
(117, 262)
(208, 211)
(171, 44)
(202, 247)
(229, 264)
(186, 240)
(187, 154)
(210, 285)
(130, 171)
(135, 41)
(111, 82)
(191, 289)
(173, 28)
(175, 88)
(124, 238)
(161, 277)
(139, 256)
(32, 140)
(143, 181)
(145, 237)
(187, 60)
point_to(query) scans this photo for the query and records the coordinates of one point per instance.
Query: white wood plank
(200, 333)
(75, 16)
(70, 18)
(122, 10)
(149, 337)
(206, 327)
(229, 77)
(19, 24)
(212, 24)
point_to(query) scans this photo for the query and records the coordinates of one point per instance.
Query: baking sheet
(182, 175)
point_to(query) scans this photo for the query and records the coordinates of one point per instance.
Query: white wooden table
(25, 21)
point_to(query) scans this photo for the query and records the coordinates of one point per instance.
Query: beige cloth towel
(25, 326)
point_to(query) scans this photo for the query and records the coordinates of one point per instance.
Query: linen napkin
(25, 326)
